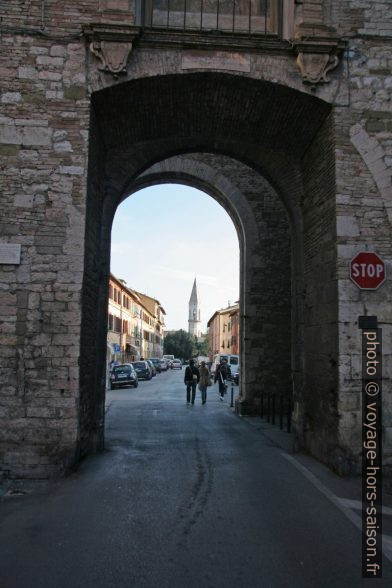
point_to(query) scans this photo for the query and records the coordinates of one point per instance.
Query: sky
(165, 236)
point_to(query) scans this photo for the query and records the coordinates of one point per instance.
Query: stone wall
(320, 297)
(43, 134)
(363, 201)
(73, 139)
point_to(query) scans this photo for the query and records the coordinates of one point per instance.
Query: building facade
(135, 324)
(235, 330)
(282, 114)
(223, 331)
(153, 326)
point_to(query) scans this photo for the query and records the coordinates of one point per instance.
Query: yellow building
(135, 324)
(223, 331)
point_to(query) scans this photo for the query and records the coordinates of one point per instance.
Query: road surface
(184, 497)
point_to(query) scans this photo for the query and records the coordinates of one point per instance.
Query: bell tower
(194, 321)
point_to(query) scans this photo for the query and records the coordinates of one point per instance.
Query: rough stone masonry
(292, 133)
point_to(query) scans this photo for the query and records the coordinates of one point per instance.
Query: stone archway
(278, 134)
(111, 98)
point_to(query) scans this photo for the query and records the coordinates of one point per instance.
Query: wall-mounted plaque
(216, 60)
(10, 253)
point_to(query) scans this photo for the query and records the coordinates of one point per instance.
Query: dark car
(123, 375)
(152, 366)
(157, 364)
(143, 370)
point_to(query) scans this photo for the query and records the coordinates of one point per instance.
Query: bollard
(232, 396)
(281, 411)
(273, 409)
(289, 416)
(268, 407)
(262, 405)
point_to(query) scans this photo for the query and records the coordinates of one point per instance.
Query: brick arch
(281, 135)
(204, 106)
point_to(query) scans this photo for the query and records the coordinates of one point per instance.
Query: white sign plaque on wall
(10, 253)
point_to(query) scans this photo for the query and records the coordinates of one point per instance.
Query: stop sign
(367, 270)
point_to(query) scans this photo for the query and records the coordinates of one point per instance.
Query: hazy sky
(165, 236)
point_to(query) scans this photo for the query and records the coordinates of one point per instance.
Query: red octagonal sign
(367, 270)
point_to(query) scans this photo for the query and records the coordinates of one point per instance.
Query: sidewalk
(344, 492)
(278, 437)
(286, 441)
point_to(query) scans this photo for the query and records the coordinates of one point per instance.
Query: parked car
(169, 359)
(123, 374)
(176, 364)
(164, 365)
(143, 370)
(157, 364)
(152, 366)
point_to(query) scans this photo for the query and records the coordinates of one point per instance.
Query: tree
(180, 344)
(202, 347)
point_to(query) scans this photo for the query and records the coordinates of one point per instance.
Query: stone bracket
(316, 57)
(112, 45)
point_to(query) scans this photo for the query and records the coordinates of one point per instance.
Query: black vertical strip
(371, 448)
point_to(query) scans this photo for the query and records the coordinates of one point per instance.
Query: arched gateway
(232, 117)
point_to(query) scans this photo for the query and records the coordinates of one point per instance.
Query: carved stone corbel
(112, 45)
(113, 55)
(316, 57)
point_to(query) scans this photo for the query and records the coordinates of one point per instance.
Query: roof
(147, 302)
(229, 310)
(122, 285)
(150, 303)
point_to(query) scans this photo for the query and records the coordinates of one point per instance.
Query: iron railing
(279, 406)
(231, 16)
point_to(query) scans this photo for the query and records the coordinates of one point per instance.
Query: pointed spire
(194, 312)
(194, 299)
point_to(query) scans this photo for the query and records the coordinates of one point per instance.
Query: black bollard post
(268, 407)
(273, 408)
(232, 395)
(262, 405)
(281, 411)
(289, 415)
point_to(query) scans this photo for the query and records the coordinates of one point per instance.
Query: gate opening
(163, 238)
(236, 139)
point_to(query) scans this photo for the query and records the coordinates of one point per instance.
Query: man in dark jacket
(222, 374)
(191, 379)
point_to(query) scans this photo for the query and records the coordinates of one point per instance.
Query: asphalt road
(183, 497)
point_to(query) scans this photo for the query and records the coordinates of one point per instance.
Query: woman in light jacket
(204, 381)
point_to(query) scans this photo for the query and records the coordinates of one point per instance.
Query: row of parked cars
(129, 374)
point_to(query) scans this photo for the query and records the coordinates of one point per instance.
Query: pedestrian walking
(204, 381)
(222, 374)
(191, 379)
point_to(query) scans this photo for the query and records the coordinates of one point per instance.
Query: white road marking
(339, 503)
(357, 504)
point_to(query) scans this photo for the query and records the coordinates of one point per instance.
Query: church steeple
(194, 312)
(194, 299)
